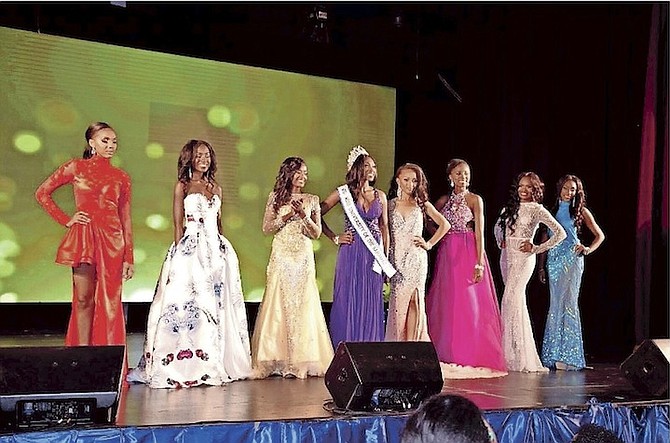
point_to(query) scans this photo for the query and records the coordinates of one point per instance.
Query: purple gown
(463, 316)
(357, 313)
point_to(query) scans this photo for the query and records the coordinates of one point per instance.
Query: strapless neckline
(209, 200)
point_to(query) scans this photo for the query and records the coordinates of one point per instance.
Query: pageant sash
(381, 262)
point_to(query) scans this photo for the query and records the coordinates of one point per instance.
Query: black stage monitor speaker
(647, 367)
(42, 386)
(370, 376)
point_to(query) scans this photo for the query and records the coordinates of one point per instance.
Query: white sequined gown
(407, 305)
(290, 336)
(517, 268)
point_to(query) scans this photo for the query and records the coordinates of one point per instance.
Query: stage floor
(276, 399)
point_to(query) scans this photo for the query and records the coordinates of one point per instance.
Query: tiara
(355, 152)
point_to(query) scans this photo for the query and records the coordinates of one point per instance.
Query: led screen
(52, 88)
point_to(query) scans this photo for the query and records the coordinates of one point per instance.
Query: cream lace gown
(290, 336)
(517, 268)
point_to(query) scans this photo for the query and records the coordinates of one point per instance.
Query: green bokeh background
(52, 88)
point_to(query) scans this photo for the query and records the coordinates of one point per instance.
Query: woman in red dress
(98, 244)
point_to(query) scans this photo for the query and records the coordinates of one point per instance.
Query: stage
(521, 407)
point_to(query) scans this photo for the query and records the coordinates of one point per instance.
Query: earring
(399, 194)
(92, 151)
(190, 173)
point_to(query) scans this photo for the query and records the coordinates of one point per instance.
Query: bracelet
(479, 267)
(336, 240)
(429, 245)
(587, 250)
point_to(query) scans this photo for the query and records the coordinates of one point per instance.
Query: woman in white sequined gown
(290, 336)
(408, 253)
(514, 233)
(197, 331)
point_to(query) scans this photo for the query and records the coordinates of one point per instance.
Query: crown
(355, 152)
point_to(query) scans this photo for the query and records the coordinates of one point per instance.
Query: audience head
(591, 433)
(446, 418)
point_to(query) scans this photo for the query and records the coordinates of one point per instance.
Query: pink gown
(463, 316)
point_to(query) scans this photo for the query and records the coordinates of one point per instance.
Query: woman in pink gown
(463, 315)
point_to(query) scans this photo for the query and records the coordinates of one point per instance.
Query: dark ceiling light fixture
(398, 18)
(317, 25)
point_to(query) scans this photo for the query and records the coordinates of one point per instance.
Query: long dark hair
(185, 162)
(356, 175)
(284, 181)
(90, 133)
(511, 210)
(420, 193)
(578, 202)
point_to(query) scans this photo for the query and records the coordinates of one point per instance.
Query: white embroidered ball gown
(197, 329)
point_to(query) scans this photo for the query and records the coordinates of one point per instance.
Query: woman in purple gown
(357, 313)
(463, 316)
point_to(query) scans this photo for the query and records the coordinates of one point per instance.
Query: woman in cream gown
(290, 336)
(514, 232)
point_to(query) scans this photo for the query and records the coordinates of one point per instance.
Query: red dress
(102, 191)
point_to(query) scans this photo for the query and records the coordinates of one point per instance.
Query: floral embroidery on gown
(517, 268)
(407, 306)
(563, 332)
(290, 336)
(463, 316)
(197, 331)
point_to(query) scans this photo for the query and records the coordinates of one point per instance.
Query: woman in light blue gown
(563, 346)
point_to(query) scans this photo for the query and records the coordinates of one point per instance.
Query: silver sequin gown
(517, 268)
(408, 285)
(290, 335)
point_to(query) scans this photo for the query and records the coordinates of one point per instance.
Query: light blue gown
(563, 332)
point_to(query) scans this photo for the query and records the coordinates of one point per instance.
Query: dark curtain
(651, 282)
(553, 90)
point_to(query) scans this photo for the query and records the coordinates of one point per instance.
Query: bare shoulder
(217, 190)
(586, 212)
(429, 206)
(179, 188)
(473, 198)
(333, 196)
